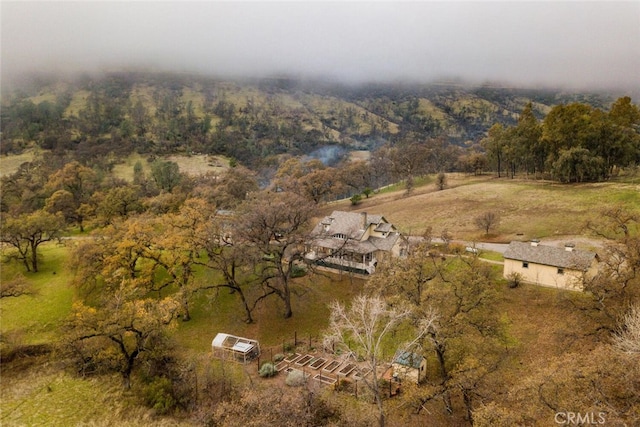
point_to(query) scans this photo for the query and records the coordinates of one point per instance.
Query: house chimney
(569, 247)
(535, 242)
(364, 220)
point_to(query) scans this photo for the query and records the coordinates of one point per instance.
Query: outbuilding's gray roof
(550, 255)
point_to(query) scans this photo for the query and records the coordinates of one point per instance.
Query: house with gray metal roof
(553, 266)
(355, 242)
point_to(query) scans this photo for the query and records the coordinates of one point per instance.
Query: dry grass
(200, 164)
(46, 396)
(190, 165)
(9, 164)
(527, 209)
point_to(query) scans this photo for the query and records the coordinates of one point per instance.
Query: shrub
(267, 370)
(356, 199)
(298, 271)
(514, 279)
(278, 357)
(295, 379)
(159, 395)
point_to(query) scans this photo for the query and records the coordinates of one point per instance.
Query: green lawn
(36, 317)
(225, 314)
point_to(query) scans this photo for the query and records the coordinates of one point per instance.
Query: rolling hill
(253, 120)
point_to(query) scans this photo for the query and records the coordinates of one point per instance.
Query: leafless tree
(627, 339)
(361, 330)
(487, 221)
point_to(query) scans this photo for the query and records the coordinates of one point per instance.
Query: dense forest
(143, 254)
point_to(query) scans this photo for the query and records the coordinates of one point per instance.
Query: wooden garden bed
(281, 365)
(332, 366)
(347, 369)
(304, 360)
(292, 357)
(317, 363)
(324, 379)
(361, 373)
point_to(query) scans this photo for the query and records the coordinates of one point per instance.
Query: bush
(355, 199)
(159, 395)
(267, 370)
(514, 279)
(295, 379)
(278, 357)
(298, 271)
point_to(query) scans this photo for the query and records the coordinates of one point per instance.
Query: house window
(340, 236)
(561, 271)
(525, 264)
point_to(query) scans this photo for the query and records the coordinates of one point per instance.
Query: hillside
(253, 120)
(527, 209)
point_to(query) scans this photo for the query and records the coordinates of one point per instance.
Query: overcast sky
(577, 44)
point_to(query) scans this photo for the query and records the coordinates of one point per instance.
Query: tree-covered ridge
(253, 121)
(574, 143)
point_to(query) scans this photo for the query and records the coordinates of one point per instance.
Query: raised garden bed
(324, 379)
(292, 357)
(304, 360)
(281, 365)
(347, 369)
(361, 373)
(317, 364)
(332, 366)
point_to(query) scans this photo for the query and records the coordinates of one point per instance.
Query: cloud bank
(568, 44)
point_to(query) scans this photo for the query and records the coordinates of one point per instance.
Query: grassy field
(34, 319)
(190, 165)
(527, 209)
(45, 395)
(9, 164)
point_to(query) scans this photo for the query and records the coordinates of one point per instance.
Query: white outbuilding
(238, 349)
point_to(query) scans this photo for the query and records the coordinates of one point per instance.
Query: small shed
(238, 349)
(410, 366)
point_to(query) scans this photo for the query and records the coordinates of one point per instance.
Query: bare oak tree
(627, 339)
(362, 328)
(487, 221)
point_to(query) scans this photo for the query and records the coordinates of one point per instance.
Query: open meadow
(38, 390)
(527, 209)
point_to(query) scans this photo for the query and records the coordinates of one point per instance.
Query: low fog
(584, 45)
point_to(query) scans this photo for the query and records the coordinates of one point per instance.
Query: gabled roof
(550, 255)
(351, 224)
(408, 359)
